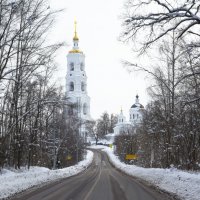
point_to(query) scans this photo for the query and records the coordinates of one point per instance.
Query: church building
(76, 82)
(135, 118)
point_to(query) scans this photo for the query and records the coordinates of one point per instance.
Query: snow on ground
(16, 181)
(185, 184)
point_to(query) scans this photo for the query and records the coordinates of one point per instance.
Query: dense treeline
(170, 132)
(33, 128)
(104, 125)
(172, 119)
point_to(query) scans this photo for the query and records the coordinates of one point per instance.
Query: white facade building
(135, 118)
(122, 125)
(136, 112)
(76, 81)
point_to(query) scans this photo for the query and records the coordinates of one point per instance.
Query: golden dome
(75, 51)
(75, 39)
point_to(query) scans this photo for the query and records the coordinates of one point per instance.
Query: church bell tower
(76, 80)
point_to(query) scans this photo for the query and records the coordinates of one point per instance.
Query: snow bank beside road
(14, 182)
(186, 185)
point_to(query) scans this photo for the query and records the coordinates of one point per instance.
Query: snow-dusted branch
(137, 67)
(150, 20)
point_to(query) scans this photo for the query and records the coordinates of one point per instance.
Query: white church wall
(135, 119)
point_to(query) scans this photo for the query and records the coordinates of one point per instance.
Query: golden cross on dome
(75, 33)
(75, 24)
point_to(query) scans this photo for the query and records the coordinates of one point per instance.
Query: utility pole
(54, 142)
(79, 127)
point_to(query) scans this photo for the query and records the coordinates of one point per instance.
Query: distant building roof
(137, 104)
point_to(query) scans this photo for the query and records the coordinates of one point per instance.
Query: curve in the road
(101, 181)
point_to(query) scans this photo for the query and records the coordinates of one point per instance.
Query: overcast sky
(110, 85)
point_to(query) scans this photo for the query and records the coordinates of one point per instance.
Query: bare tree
(26, 66)
(170, 123)
(148, 21)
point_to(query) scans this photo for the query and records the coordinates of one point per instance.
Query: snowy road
(101, 181)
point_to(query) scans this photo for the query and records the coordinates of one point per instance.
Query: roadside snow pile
(186, 185)
(14, 182)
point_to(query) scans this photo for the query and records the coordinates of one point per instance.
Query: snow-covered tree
(147, 21)
(32, 128)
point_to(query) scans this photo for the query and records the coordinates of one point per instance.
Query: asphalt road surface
(101, 181)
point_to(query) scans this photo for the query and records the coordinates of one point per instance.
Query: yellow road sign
(69, 157)
(131, 156)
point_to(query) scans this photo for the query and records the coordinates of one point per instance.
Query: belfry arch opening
(71, 66)
(82, 86)
(85, 109)
(82, 66)
(71, 86)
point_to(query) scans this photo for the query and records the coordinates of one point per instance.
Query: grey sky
(110, 86)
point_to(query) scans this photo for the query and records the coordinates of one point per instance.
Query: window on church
(130, 116)
(137, 116)
(71, 66)
(122, 120)
(82, 66)
(82, 87)
(71, 86)
(85, 109)
(133, 116)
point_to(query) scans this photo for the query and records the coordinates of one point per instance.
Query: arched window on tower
(71, 66)
(133, 116)
(83, 86)
(82, 66)
(71, 86)
(85, 109)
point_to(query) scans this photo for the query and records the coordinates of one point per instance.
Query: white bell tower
(121, 117)
(76, 80)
